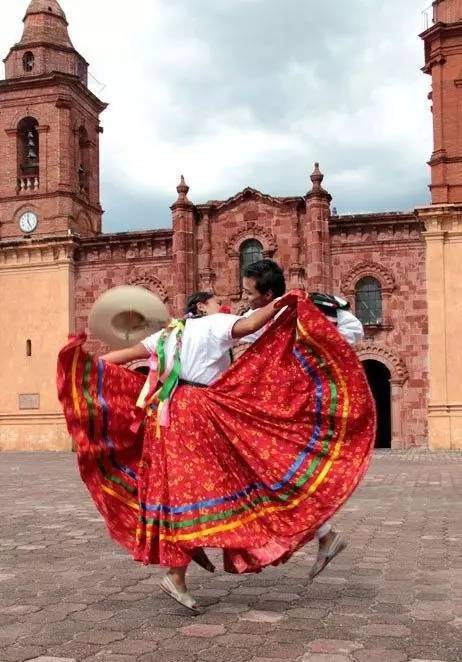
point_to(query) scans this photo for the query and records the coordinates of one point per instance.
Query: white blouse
(205, 347)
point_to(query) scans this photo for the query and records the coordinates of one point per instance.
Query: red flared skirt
(253, 464)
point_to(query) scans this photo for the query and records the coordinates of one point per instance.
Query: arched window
(368, 300)
(251, 251)
(84, 161)
(28, 150)
(28, 61)
(28, 348)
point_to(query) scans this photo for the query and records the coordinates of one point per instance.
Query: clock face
(28, 221)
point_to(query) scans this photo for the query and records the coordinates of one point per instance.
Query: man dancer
(263, 282)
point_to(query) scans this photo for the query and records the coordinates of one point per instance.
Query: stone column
(62, 168)
(443, 237)
(316, 234)
(206, 274)
(43, 131)
(296, 271)
(235, 285)
(183, 247)
(396, 394)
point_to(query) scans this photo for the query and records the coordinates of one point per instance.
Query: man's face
(253, 296)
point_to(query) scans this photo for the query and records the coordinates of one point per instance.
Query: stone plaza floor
(67, 592)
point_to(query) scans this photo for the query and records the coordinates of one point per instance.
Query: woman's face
(210, 307)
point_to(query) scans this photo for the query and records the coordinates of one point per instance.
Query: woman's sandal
(184, 598)
(323, 560)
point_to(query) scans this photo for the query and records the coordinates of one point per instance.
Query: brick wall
(143, 258)
(390, 248)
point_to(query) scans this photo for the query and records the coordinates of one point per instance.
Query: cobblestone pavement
(68, 593)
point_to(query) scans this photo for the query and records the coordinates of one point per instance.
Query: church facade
(401, 271)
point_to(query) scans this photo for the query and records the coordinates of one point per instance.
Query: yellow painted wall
(443, 237)
(36, 295)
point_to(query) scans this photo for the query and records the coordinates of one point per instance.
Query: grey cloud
(300, 69)
(292, 62)
(125, 210)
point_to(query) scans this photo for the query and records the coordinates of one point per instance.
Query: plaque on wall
(29, 401)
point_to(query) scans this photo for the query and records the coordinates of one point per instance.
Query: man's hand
(290, 299)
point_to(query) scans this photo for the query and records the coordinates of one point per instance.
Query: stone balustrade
(28, 184)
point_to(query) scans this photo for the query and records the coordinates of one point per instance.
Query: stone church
(401, 271)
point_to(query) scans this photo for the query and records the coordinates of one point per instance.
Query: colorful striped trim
(317, 358)
(262, 505)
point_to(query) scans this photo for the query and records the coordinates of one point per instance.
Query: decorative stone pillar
(206, 274)
(43, 131)
(443, 237)
(317, 239)
(296, 271)
(183, 246)
(235, 286)
(396, 394)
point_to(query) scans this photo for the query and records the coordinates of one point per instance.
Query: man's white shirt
(348, 326)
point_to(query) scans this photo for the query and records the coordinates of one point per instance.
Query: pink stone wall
(126, 259)
(391, 249)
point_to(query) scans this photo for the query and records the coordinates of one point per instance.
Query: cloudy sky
(237, 93)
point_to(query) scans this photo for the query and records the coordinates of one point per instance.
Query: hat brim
(125, 315)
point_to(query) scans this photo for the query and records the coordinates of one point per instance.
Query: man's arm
(349, 327)
(250, 339)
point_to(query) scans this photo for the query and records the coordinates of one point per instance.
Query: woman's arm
(247, 325)
(121, 356)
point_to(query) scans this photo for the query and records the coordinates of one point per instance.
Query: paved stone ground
(68, 593)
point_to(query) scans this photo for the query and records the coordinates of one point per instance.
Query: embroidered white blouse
(205, 347)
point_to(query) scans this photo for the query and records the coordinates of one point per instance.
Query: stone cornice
(125, 246)
(250, 194)
(71, 248)
(437, 409)
(138, 235)
(441, 221)
(437, 29)
(436, 49)
(379, 218)
(375, 223)
(45, 44)
(381, 228)
(38, 251)
(37, 82)
(66, 193)
(32, 417)
(436, 159)
(360, 247)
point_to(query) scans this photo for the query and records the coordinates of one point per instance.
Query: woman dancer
(252, 464)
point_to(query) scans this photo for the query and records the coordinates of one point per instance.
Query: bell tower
(443, 62)
(49, 132)
(49, 195)
(443, 225)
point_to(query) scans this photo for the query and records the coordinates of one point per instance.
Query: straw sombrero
(125, 315)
